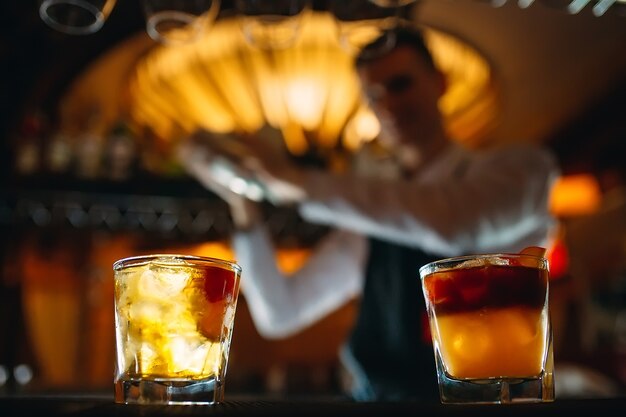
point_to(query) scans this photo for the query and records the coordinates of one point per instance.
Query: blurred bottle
(28, 146)
(59, 153)
(89, 147)
(120, 158)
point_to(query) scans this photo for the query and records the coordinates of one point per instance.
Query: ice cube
(497, 261)
(126, 287)
(159, 282)
(144, 312)
(229, 316)
(473, 263)
(193, 354)
(181, 320)
(480, 262)
(472, 340)
(524, 325)
(148, 358)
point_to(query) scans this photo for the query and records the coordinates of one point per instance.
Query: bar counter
(101, 406)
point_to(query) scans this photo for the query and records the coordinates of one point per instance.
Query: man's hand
(282, 180)
(220, 167)
(251, 166)
(205, 167)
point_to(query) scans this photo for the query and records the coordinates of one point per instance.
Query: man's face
(404, 90)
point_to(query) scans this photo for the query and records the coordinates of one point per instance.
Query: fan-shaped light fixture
(309, 91)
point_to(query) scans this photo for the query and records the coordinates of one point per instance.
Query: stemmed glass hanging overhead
(265, 23)
(167, 21)
(179, 21)
(75, 17)
(271, 24)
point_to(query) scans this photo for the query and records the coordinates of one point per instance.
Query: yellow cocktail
(174, 319)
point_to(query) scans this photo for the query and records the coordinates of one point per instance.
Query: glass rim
(431, 267)
(143, 259)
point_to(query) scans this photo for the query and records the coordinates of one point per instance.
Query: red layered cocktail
(489, 317)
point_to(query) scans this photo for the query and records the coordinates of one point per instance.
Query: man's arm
(500, 203)
(283, 305)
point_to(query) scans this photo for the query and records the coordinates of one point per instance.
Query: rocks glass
(490, 327)
(174, 318)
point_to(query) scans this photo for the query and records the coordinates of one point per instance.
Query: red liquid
(467, 289)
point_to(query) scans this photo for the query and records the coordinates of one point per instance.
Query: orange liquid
(503, 342)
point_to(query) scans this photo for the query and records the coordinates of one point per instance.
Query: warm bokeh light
(363, 127)
(223, 84)
(575, 195)
(470, 102)
(288, 260)
(558, 258)
(308, 91)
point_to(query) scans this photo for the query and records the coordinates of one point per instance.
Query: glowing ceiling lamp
(309, 91)
(223, 84)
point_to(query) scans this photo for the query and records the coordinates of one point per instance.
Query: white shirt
(463, 202)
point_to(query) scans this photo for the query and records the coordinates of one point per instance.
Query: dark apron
(389, 352)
